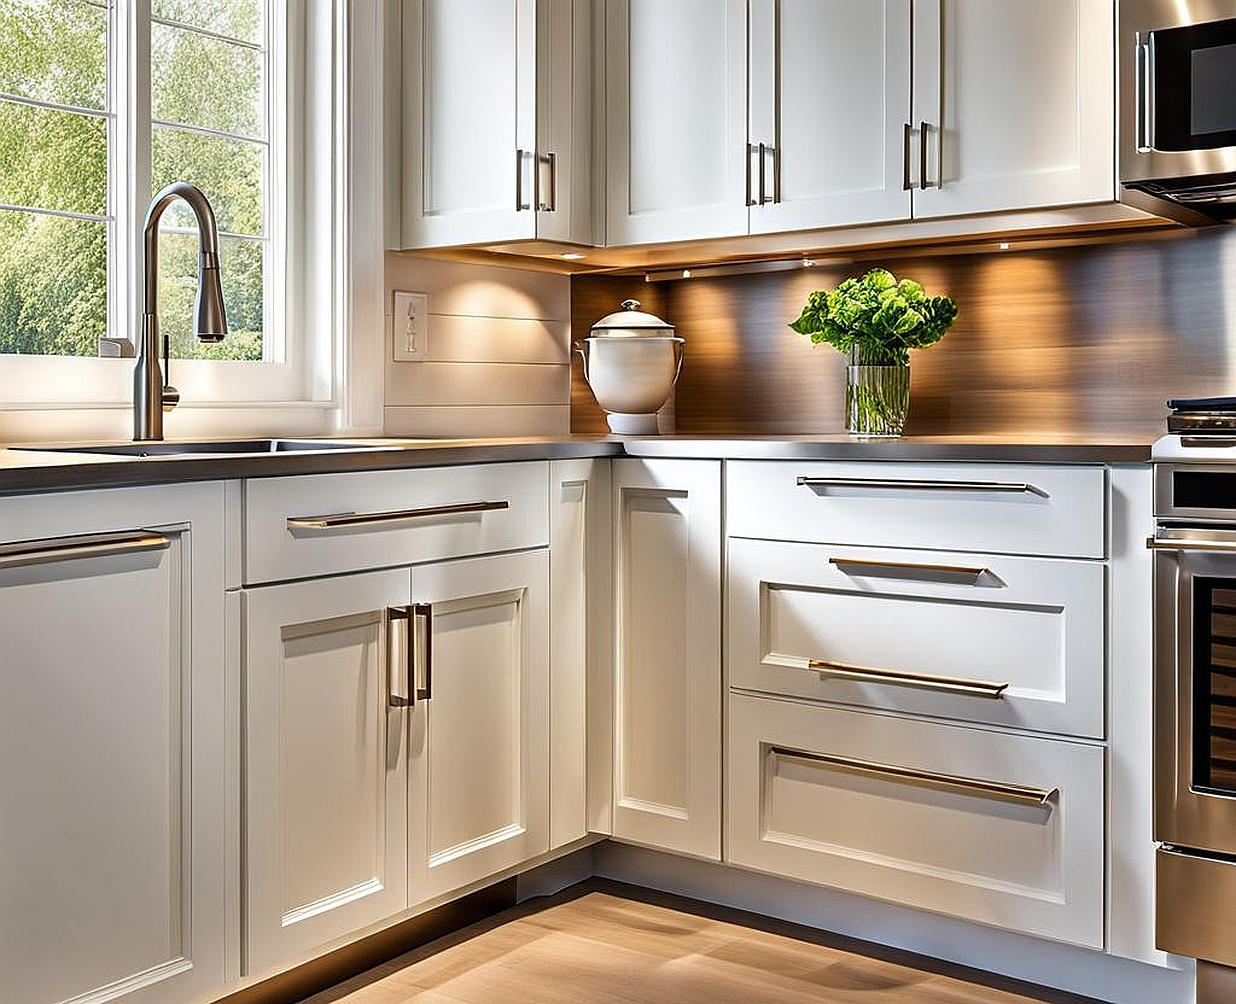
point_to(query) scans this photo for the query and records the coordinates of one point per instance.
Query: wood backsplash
(1089, 339)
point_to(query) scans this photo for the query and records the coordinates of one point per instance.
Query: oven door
(1195, 688)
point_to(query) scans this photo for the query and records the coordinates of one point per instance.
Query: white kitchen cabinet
(325, 762)
(479, 781)
(998, 828)
(676, 120)
(581, 678)
(830, 103)
(112, 724)
(496, 121)
(667, 612)
(1017, 103)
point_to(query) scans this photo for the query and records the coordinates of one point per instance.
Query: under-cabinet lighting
(1004, 245)
(572, 255)
(686, 273)
(808, 263)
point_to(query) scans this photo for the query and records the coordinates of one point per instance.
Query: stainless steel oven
(1177, 66)
(1195, 710)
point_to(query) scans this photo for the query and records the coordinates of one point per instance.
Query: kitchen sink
(232, 447)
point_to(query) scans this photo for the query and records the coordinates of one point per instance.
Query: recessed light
(686, 273)
(808, 263)
(1004, 245)
(572, 255)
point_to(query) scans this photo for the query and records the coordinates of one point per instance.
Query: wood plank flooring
(600, 946)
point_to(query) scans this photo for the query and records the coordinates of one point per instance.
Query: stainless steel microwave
(1177, 66)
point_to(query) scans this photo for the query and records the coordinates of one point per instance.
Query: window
(102, 103)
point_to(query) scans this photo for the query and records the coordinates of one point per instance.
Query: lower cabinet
(112, 858)
(999, 828)
(396, 743)
(667, 666)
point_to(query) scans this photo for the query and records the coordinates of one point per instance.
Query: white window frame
(304, 308)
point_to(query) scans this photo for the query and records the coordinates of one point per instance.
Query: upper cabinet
(676, 103)
(1016, 104)
(829, 104)
(497, 111)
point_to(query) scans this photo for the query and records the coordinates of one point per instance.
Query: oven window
(1203, 490)
(1214, 685)
(1214, 90)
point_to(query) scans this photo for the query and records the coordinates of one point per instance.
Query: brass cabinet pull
(347, 520)
(95, 545)
(393, 698)
(907, 570)
(898, 484)
(999, 791)
(900, 678)
(1189, 544)
(422, 614)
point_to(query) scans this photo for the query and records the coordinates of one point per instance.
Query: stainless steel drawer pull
(997, 790)
(422, 640)
(899, 678)
(897, 484)
(347, 520)
(1189, 544)
(395, 698)
(96, 545)
(905, 570)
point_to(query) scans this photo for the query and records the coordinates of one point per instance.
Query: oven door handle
(1189, 544)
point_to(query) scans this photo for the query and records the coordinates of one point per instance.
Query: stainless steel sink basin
(230, 447)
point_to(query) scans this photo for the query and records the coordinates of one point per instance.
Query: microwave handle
(1143, 85)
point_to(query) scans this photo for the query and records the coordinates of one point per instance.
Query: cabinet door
(1017, 103)
(111, 747)
(469, 108)
(830, 103)
(667, 553)
(325, 762)
(676, 119)
(479, 776)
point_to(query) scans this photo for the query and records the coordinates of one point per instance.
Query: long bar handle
(907, 570)
(763, 157)
(1143, 77)
(1189, 544)
(97, 545)
(998, 790)
(898, 484)
(422, 614)
(924, 132)
(394, 698)
(897, 678)
(550, 205)
(521, 203)
(347, 520)
(751, 199)
(907, 183)
(768, 150)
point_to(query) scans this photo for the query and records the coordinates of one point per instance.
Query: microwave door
(1192, 100)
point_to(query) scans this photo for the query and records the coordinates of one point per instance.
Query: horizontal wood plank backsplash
(1089, 339)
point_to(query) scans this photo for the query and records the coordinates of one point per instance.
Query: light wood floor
(602, 948)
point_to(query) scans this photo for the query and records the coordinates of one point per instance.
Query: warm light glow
(686, 273)
(572, 255)
(808, 263)
(1005, 245)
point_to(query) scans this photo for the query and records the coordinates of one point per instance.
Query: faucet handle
(171, 396)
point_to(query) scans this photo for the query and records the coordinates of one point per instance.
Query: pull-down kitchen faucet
(152, 394)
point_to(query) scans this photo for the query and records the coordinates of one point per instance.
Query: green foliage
(53, 270)
(877, 315)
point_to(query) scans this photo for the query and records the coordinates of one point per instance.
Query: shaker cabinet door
(676, 126)
(1017, 103)
(325, 762)
(830, 104)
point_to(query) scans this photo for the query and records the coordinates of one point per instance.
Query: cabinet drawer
(328, 523)
(992, 827)
(955, 507)
(982, 638)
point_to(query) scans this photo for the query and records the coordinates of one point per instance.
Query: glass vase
(877, 398)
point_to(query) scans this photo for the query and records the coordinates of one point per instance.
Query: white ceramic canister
(631, 362)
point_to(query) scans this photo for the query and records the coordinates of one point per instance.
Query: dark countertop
(25, 470)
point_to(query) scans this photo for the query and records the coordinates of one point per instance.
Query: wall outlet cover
(410, 327)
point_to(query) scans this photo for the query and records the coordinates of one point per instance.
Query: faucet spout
(152, 394)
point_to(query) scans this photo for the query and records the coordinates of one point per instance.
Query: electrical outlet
(411, 327)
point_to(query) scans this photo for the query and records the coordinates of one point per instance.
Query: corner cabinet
(112, 735)
(667, 626)
(497, 111)
(1015, 103)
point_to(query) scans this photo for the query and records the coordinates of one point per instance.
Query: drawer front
(981, 638)
(1001, 829)
(328, 523)
(993, 508)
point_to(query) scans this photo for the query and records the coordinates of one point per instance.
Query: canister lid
(630, 322)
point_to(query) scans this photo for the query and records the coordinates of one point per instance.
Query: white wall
(498, 361)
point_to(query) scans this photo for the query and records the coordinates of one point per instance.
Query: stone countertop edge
(28, 471)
